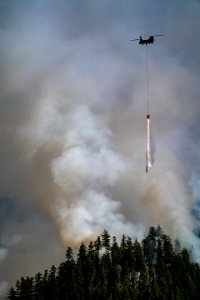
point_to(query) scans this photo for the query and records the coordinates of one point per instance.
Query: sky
(73, 126)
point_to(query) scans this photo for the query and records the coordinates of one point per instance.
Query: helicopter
(150, 40)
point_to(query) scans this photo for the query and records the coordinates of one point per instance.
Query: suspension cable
(147, 80)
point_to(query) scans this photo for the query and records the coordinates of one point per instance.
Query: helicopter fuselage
(150, 40)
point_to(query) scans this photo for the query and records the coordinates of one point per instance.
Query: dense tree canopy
(153, 269)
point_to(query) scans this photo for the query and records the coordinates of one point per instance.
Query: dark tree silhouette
(151, 269)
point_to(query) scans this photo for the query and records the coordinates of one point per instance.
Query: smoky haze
(73, 125)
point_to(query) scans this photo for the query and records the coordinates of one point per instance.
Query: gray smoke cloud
(73, 126)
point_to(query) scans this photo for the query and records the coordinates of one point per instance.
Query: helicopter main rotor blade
(159, 35)
(134, 40)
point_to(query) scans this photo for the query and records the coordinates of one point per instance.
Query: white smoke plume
(85, 170)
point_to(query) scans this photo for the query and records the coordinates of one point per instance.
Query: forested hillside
(152, 269)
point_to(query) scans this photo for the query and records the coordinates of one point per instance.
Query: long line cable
(147, 80)
(148, 150)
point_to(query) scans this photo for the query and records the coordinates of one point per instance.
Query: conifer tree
(12, 294)
(38, 287)
(98, 244)
(106, 239)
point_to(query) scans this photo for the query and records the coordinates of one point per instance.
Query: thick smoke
(73, 124)
(84, 172)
